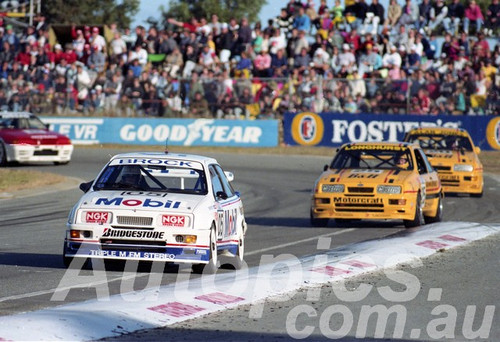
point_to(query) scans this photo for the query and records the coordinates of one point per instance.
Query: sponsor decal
(226, 222)
(176, 309)
(137, 234)
(493, 133)
(199, 130)
(179, 163)
(307, 129)
(147, 203)
(349, 200)
(437, 131)
(220, 298)
(376, 147)
(130, 254)
(367, 171)
(96, 217)
(173, 220)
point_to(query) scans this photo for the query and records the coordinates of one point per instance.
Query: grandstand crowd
(432, 57)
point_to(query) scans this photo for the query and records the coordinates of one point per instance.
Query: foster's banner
(180, 132)
(334, 129)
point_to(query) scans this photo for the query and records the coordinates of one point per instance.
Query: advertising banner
(335, 129)
(180, 132)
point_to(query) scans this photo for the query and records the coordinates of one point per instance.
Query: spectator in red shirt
(192, 26)
(24, 57)
(473, 14)
(58, 53)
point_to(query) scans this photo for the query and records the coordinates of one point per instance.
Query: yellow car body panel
(370, 189)
(452, 153)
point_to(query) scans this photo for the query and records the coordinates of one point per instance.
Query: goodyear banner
(180, 132)
(334, 129)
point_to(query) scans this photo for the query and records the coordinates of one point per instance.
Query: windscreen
(369, 157)
(152, 178)
(21, 122)
(442, 142)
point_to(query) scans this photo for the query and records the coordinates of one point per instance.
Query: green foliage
(184, 10)
(90, 12)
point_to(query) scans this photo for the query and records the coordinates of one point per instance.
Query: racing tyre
(478, 195)
(3, 155)
(342, 222)
(439, 213)
(238, 258)
(316, 222)
(213, 262)
(419, 215)
(66, 260)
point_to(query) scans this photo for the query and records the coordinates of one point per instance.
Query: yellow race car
(378, 181)
(452, 153)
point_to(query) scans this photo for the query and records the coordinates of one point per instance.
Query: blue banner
(334, 129)
(174, 132)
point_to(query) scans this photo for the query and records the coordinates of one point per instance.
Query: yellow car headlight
(463, 168)
(332, 188)
(388, 189)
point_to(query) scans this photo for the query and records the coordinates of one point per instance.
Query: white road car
(159, 207)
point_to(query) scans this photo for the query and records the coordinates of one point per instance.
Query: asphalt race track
(275, 192)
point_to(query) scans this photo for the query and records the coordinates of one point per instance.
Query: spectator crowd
(432, 57)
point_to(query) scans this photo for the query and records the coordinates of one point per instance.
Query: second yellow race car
(378, 181)
(452, 153)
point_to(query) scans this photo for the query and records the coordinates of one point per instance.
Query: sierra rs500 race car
(378, 181)
(24, 138)
(452, 153)
(159, 207)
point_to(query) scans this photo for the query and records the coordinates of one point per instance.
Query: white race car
(159, 207)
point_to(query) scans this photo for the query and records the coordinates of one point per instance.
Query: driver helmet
(403, 162)
(131, 175)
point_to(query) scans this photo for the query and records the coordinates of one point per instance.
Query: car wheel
(213, 262)
(342, 222)
(439, 213)
(3, 155)
(238, 258)
(61, 163)
(419, 215)
(478, 195)
(316, 222)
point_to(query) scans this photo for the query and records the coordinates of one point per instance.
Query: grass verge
(14, 180)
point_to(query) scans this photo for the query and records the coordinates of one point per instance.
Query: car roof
(439, 130)
(167, 155)
(6, 114)
(379, 144)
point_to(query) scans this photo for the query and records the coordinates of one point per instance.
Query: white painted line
(165, 305)
(300, 241)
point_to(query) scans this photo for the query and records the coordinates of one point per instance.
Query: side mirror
(85, 187)
(325, 167)
(229, 176)
(477, 149)
(221, 195)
